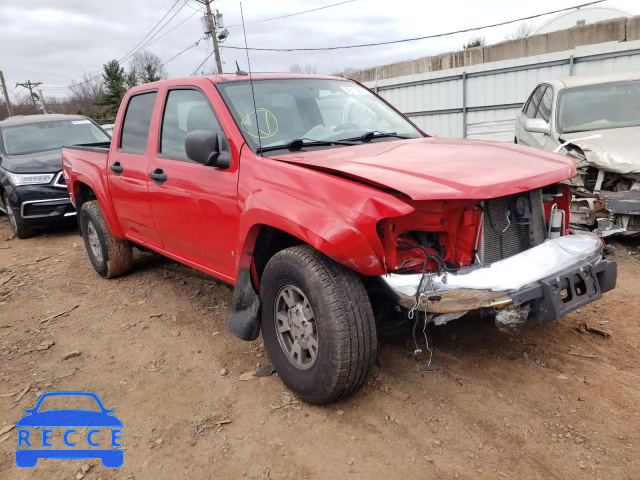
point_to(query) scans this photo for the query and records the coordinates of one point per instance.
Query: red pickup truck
(333, 215)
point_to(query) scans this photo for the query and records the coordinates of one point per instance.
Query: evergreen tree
(131, 80)
(114, 88)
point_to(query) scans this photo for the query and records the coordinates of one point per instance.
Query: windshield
(312, 109)
(598, 107)
(67, 402)
(43, 136)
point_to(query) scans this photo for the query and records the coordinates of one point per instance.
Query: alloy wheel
(296, 327)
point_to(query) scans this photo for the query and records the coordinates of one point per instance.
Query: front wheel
(109, 255)
(16, 222)
(317, 324)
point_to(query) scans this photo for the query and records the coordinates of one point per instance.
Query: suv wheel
(17, 225)
(109, 255)
(317, 324)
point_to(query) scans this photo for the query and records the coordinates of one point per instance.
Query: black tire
(343, 321)
(113, 256)
(16, 222)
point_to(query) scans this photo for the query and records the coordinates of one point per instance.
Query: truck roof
(232, 77)
(27, 119)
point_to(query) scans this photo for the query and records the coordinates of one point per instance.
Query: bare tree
(147, 67)
(306, 68)
(475, 42)
(524, 30)
(84, 96)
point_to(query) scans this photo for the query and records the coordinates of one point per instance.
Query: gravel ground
(555, 402)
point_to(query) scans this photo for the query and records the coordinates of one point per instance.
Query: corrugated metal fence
(481, 101)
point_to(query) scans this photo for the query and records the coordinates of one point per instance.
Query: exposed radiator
(525, 222)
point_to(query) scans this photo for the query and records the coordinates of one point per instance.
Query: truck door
(194, 206)
(128, 173)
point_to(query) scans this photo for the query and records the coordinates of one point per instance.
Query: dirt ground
(550, 403)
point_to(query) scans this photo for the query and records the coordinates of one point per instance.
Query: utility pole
(6, 94)
(214, 36)
(42, 105)
(30, 85)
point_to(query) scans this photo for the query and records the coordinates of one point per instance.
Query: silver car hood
(616, 150)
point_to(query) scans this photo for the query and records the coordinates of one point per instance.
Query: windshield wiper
(367, 137)
(299, 143)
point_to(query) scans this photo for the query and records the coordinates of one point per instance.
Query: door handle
(117, 168)
(158, 176)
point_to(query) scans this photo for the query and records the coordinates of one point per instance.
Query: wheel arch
(85, 191)
(335, 239)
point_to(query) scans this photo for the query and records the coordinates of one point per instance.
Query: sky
(57, 41)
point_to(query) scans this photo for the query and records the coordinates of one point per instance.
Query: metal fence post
(464, 104)
(572, 62)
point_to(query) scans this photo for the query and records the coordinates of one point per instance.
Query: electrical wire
(181, 52)
(404, 40)
(290, 14)
(154, 27)
(203, 62)
(141, 44)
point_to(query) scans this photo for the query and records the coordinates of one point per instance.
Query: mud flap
(244, 319)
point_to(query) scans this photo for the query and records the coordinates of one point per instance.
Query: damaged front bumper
(551, 279)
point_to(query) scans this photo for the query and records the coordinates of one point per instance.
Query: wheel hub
(94, 242)
(295, 327)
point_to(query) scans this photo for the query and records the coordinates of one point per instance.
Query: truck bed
(99, 147)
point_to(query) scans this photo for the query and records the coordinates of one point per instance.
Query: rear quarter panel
(89, 168)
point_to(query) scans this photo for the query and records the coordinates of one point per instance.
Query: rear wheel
(317, 324)
(16, 222)
(109, 255)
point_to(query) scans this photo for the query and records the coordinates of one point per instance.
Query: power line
(291, 14)
(203, 62)
(142, 44)
(173, 28)
(438, 35)
(181, 52)
(150, 31)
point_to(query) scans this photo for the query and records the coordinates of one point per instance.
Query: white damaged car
(596, 120)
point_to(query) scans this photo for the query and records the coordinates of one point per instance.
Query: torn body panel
(554, 278)
(607, 186)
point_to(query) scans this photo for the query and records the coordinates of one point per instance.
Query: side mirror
(537, 125)
(202, 146)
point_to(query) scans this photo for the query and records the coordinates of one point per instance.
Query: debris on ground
(266, 371)
(22, 393)
(74, 353)
(60, 314)
(399, 394)
(247, 376)
(581, 353)
(584, 327)
(45, 345)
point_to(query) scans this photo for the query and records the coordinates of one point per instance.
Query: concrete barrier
(616, 30)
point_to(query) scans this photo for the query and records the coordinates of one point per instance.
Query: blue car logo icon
(95, 428)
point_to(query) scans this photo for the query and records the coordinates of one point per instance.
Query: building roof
(27, 119)
(584, 80)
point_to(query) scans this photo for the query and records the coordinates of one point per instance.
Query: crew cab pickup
(333, 216)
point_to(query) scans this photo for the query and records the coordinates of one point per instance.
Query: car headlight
(18, 179)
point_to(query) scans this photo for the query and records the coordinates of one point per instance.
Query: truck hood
(441, 168)
(38, 162)
(616, 150)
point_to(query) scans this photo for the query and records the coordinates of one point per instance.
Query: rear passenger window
(185, 111)
(534, 101)
(135, 129)
(544, 110)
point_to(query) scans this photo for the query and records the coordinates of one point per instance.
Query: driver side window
(532, 106)
(184, 112)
